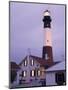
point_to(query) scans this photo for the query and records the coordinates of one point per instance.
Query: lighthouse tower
(47, 47)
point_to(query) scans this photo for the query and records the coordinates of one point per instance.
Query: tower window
(46, 56)
(47, 40)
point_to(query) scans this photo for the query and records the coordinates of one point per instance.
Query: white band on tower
(47, 37)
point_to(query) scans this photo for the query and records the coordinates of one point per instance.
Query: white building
(32, 72)
(55, 75)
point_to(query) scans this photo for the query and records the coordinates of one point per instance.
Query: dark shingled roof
(44, 63)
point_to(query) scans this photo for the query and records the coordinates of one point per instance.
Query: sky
(26, 30)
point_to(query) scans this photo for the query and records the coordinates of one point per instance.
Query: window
(47, 40)
(32, 62)
(59, 78)
(46, 56)
(38, 73)
(25, 62)
(32, 73)
(24, 73)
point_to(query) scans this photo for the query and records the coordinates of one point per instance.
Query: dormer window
(25, 62)
(31, 62)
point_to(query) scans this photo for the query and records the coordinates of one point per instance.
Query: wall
(28, 68)
(51, 79)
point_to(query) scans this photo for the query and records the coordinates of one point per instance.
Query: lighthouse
(47, 53)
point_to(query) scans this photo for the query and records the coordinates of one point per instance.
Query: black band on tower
(47, 21)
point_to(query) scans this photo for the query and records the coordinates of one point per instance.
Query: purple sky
(26, 30)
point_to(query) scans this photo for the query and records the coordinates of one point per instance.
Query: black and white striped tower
(47, 47)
